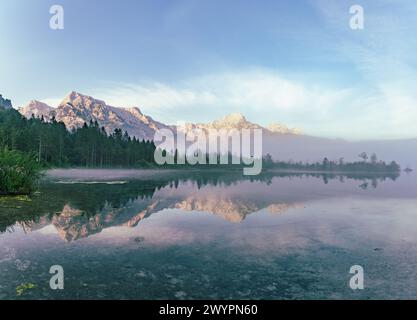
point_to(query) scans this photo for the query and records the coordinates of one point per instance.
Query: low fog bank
(306, 148)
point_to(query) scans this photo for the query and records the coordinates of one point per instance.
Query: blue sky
(293, 62)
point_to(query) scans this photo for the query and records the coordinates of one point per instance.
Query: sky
(293, 62)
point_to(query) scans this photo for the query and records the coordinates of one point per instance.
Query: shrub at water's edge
(18, 172)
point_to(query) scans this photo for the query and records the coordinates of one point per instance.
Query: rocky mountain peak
(232, 121)
(282, 129)
(76, 99)
(76, 109)
(235, 118)
(5, 103)
(137, 113)
(37, 109)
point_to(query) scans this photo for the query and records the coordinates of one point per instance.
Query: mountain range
(281, 142)
(77, 109)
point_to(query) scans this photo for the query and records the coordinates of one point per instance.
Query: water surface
(212, 236)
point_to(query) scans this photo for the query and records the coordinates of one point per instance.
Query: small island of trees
(365, 165)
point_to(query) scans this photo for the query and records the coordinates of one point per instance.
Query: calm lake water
(212, 236)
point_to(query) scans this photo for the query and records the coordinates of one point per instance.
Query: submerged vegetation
(23, 288)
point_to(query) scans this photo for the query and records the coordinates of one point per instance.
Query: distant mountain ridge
(238, 121)
(280, 141)
(77, 109)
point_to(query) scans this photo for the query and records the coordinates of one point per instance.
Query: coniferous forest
(92, 147)
(52, 144)
(29, 145)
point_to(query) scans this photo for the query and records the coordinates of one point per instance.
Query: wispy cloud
(253, 92)
(373, 95)
(352, 113)
(383, 55)
(263, 96)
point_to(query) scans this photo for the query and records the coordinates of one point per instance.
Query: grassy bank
(18, 172)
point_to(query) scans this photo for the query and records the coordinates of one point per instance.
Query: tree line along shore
(29, 146)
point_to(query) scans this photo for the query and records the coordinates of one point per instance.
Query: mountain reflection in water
(79, 209)
(182, 235)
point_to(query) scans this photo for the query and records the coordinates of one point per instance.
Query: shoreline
(83, 174)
